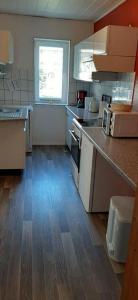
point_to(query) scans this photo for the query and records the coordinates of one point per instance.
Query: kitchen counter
(81, 113)
(121, 153)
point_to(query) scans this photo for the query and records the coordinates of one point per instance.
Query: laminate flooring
(50, 248)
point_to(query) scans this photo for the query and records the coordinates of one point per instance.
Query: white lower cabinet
(87, 167)
(98, 180)
(12, 144)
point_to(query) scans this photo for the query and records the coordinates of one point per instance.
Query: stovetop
(90, 123)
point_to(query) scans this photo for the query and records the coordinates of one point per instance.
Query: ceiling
(67, 9)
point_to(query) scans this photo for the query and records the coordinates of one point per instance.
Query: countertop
(81, 113)
(122, 153)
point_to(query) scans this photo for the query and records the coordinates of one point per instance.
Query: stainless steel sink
(9, 110)
(11, 113)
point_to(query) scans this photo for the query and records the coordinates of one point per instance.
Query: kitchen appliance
(76, 138)
(93, 105)
(81, 98)
(75, 150)
(87, 102)
(104, 103)
(120, 124)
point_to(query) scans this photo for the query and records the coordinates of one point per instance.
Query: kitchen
(49, 128)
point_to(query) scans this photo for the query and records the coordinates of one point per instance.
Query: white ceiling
(67, 9)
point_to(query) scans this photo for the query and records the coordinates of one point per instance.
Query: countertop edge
(69, 108)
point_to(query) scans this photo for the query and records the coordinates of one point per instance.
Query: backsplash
(17, 87)
(74, 86)
(122, 89)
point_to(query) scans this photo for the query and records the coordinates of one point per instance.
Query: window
(51, 71)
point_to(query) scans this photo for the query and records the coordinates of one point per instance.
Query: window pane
(50, 72)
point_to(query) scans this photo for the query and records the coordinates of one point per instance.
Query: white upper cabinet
(115, 40)
(82, 56)
(111, 49)
(6, 48)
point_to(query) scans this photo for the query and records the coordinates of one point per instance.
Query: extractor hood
(109, 63)
(111, 49)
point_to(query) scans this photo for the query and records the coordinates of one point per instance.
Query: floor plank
(50, 248)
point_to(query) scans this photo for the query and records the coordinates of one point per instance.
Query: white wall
(48, 121)
(49, 125)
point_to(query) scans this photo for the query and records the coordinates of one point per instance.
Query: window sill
(50, 104)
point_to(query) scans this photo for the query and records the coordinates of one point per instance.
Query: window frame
(65, 44)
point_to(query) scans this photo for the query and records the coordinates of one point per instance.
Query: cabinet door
(69, 120)
(115, 40)
(82, 61)
(122, 40)
(107, 183)
(6, 47)
(87, 163)
(100, 39)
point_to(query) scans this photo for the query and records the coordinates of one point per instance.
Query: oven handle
(73, 135)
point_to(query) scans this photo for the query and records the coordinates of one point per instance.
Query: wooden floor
(50, 249)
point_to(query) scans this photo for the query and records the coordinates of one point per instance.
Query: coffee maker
(81, 98)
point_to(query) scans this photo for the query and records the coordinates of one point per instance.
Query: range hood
(109, 63)
(111, 49)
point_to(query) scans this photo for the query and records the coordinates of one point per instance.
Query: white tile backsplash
(17, 86)
(23, 85)
(76, 85)
(1, 84)
(121, 89)
(30, 97)
(16, 96)
(1, 95)
(24, 96)
(8, 96)
(5, 84)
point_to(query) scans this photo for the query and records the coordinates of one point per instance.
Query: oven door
(75, 148)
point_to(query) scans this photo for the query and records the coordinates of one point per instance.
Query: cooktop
(90, 123)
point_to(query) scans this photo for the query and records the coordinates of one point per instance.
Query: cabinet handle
(73, 135)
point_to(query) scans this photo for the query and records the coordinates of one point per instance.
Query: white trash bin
(119, 225)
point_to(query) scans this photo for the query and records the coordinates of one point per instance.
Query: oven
(76, 137)
(75, 151)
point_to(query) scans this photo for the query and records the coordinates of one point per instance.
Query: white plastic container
(93, 106)
(87, 102)
(119, 226)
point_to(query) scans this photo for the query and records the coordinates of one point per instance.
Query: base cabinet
(99, 181)
(12, 144)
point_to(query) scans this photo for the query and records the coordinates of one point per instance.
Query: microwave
(120, 124)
